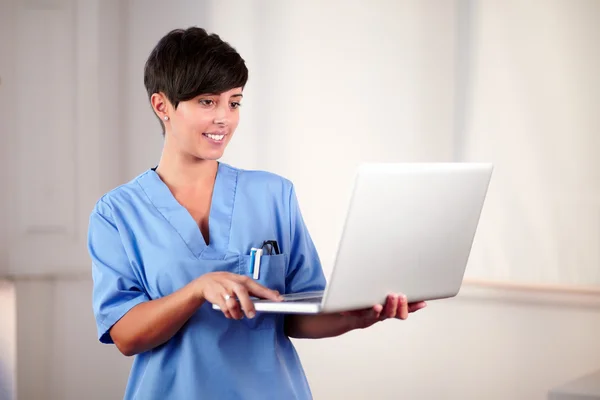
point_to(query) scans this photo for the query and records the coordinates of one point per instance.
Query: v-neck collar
(219, 220)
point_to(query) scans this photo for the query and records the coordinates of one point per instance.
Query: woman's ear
(159, 105)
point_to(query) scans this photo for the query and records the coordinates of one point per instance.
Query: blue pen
(255, 255)
(252, 257)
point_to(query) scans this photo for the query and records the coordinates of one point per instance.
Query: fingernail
(251, 314)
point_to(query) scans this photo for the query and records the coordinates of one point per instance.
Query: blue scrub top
(144, 245)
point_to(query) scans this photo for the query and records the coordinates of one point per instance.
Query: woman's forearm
(317, 326)
(153, 323)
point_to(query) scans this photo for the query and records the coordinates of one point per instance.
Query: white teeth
(215, 137)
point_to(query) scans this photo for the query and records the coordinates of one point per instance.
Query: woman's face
(202, 127)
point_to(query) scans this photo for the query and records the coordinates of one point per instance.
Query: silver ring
(227, 297)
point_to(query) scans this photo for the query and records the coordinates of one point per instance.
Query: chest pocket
(272, 275)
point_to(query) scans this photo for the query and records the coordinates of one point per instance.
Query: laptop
(409, 229)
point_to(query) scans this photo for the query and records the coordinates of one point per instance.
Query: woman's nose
(221, 115)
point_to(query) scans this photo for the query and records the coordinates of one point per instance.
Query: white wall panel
(64, 151)
(371, 83)
(45, 144)
(534, 111)
(58, 355)
(7, 121)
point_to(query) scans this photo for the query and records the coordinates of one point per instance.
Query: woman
(177, 239)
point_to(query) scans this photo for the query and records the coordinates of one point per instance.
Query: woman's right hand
(222, 289)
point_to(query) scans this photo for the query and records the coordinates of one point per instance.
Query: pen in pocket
(255, 255)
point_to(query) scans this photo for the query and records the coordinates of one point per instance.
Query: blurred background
(332, 83)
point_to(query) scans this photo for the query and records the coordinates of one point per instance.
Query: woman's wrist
(195, 293)
(319, 326)
(347, 323)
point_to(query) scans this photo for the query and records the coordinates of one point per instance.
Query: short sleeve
(305, 272)
(115, 288)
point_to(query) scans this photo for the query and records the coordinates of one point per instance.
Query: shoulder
(262, 180)
(120, 196)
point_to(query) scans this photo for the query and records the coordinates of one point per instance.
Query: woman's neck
(184, 171)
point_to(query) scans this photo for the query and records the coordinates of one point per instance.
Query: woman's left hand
(396, 306)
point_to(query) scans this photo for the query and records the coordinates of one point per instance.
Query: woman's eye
(206, 102)
(235, 104)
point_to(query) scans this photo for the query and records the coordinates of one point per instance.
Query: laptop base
(293, 303)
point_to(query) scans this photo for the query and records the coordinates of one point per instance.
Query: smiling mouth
(215, 137)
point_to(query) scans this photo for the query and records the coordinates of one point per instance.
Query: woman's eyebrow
(237, 95)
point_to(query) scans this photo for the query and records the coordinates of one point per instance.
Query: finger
(389, 310)
(222, 303)
(233, 307)
(244, 300)
(376, 311)
(386, 307)
(402, 311)
(393, 306)
(372, 316)
(225, 310)
(260, 291)
(237, 311)
(416, 306)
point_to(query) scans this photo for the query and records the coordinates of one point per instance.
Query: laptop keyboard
(304, 300)
(307, 297)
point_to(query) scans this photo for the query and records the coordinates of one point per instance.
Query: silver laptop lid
(409, 229)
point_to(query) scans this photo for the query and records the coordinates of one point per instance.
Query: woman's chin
(209, 155)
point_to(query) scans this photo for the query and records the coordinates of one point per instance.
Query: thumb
(376, 311)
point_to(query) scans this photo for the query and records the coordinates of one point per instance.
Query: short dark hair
(188, 62)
